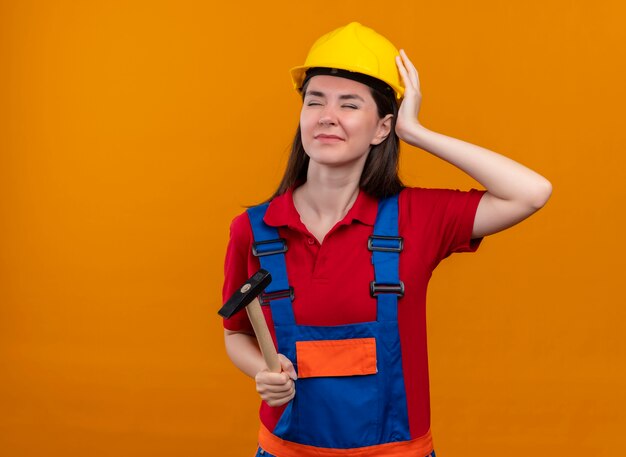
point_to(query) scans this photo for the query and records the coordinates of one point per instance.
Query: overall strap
(386, 246)
(270, 249)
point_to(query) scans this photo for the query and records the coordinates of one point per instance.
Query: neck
(328, 194)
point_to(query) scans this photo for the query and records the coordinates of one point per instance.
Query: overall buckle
(382, 243)
(263, 248)
(266, 297)
(377, 289)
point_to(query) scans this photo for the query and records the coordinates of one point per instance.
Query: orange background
(132, 132)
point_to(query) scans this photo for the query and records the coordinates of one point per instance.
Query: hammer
(247, 297)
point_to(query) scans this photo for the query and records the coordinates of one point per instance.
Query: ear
(383, 130)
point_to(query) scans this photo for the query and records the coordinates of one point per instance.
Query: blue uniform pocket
(337, 402)
(338, 412)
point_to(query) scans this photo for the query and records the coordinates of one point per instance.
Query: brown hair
(380, 174)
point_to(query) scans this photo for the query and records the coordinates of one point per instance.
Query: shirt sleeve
(445, 218)
(236, 269)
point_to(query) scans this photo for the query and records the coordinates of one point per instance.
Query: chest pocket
(347, 357)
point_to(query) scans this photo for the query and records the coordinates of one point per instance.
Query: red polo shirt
(331, 280)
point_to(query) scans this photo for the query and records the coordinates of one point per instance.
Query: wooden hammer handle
(263, 336)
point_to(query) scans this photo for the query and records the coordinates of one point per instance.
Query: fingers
(408, 72)
(273, 383)
(287, 367)
(411, 70)
(275, 388)
(403, 72)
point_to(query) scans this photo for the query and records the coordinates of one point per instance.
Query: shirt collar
(282, 211)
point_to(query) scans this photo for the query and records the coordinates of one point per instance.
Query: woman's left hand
(409, 108)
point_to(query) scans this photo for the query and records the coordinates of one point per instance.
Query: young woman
(351, 250)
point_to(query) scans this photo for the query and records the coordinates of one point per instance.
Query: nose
(327, 117)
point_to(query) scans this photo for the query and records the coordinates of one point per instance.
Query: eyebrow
(315, 93)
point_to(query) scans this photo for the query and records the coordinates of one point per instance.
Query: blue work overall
(341, 410)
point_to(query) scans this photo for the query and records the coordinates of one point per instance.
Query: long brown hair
(380, 174)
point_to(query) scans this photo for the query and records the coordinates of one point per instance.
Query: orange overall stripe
(355, 356)
(421, 446)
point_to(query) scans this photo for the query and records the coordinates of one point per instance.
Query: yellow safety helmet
(357, 49)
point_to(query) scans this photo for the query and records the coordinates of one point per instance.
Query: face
(339, 121)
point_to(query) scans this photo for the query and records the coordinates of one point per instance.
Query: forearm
(244, 352)
(502, 177)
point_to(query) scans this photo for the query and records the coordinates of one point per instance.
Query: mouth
(328, 138)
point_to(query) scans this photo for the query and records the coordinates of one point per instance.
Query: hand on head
(410, 106)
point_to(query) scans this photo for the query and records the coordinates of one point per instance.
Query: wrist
(414, 134)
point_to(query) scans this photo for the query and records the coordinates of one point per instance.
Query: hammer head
(246, 293)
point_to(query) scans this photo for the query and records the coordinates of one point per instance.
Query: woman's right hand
(407, 123)
(276, 389)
